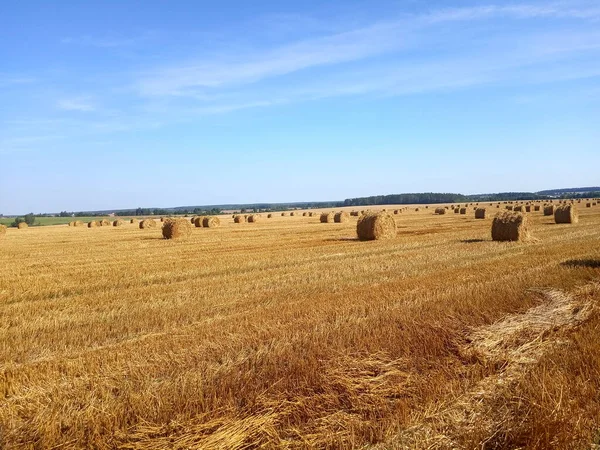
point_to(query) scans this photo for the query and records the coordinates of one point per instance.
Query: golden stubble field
(289, 333)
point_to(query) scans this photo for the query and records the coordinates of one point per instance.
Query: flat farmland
(291, 333)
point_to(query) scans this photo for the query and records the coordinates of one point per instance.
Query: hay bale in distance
(566, 214)
(341, 217)
(253, 218)
(327, 217)
(22, 225)
(104, 223)
(527, 208)
(536, 208)
(211, 222)
(283, 214)
(176, 228)
(117, 223)
(463, 210)
(519, 208)
(239, 219)
(480, 213)
(199, 221)
(549, 210)
(93, 224)
(133, 221)
(510, 226)
(148, 223)
(269, 216)
(588, 205)
(440, 210)
(372, 226)
(456, 210)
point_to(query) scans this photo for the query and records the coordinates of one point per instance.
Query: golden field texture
(292, 333)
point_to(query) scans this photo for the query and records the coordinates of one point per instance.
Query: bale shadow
(592, 263)
(344, 239)
(471, 241)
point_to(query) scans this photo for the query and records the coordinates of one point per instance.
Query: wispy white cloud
(105, 41)
(82, 104)
(381, 38)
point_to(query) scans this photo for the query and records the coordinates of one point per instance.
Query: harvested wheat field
(292, 333)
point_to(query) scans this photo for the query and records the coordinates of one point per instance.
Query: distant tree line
(29, 219)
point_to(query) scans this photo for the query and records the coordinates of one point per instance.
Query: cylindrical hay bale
(566, 214)
(78, 223)
(71, 224)
(211, 222)
(176, 228)
(253, 218)
(148, 223)
(22, 225)
(510, 226)
(416, 209)
(93, 224)
(327, 217)
(310, 214)
(269, 216)
(536, 208)
(283, 214)
(456, 210)
(509, 208)
(480, 213)
(527, 208)
(104, 223)
(373, 226)
(292, 214)
(440, 210)
(2, 230)
(117, 223)
(304, 214)
(549, 210)
(193, 220)
(341, 217)
(519, 208)
(133, 221)
(199, 221)
(239, 219)
(396, 211)
(162, 219)
(588, 205)
(463, 210)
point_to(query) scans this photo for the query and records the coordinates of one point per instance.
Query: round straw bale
(148, 223)
(527, 208)
(379, 225)
(588, 205)
(536, 208)
(104, 223)
(93, 224)
(117, 223)
(463, 210)
(416, 209)
(78, 223)
(440, 210)
(519, 208)
(396, 211)
(162, 219)
(510, 226)
(239, 219)
(253, 218)
(566, 214)
(549, 210)
(211, 222)
(509, 208)
(199, 221)
(283, 214)
(327, 217)
(176, 228)
(269, 216)
(310, 214)
(71, 224)
(341, 217)
(22, 225)
(480, 213)
(133, 221)
(456, 210)
(304, 214)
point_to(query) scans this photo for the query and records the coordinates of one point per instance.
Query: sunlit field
(291, 333)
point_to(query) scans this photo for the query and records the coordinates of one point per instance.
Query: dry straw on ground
(327, 217)
(176, 228)
(480, 213)
(374, 226)
(211, 222)
(510, 226)
(341, 217)
(148, 223)
(566, 214)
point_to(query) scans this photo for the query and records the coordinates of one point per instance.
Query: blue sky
(116, 104)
